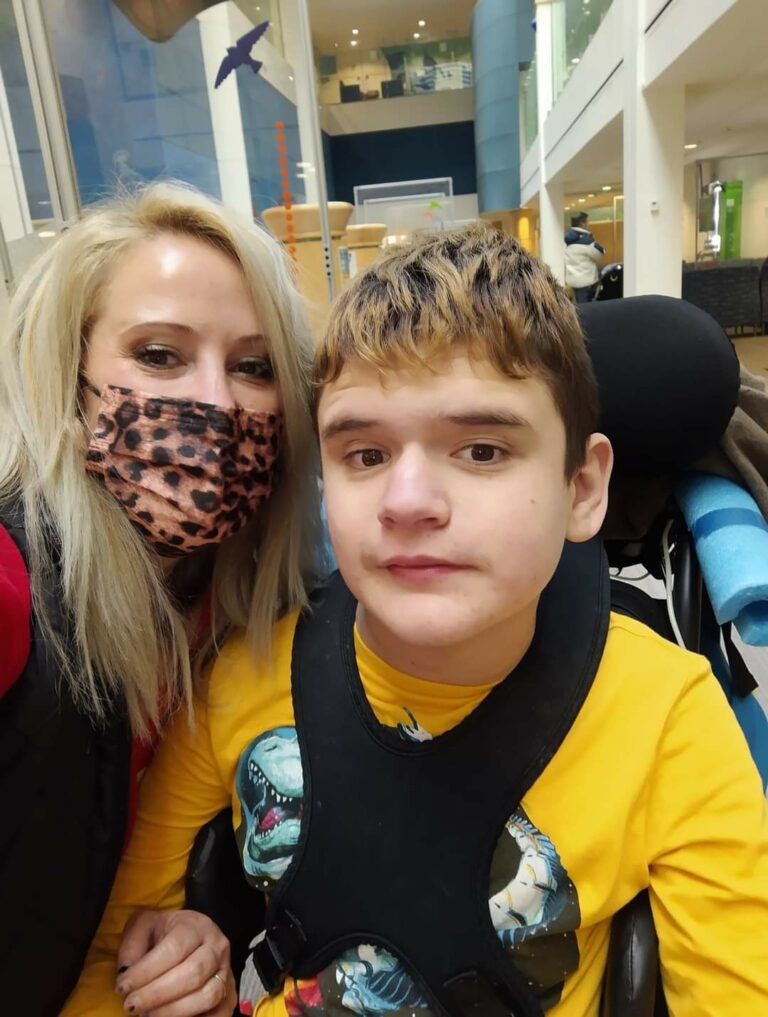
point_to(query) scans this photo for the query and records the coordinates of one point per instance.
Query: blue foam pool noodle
(731, 540)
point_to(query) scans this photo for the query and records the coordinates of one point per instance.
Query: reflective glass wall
(529, 111)
(360, 69)
(574, 22)
(136, 109)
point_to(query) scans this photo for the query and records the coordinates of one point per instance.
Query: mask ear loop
(91, 388)
(83, 384)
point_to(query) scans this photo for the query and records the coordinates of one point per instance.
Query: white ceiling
(386, 22)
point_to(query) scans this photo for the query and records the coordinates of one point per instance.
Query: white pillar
(551, 244)
(294, 54)
(551, 232)
(15, 219)
(48, 106)
(654, 134)
(216, 34)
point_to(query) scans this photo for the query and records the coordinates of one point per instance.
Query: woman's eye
(482, 453)
(258, 368)
(158, 357)
(365, 458)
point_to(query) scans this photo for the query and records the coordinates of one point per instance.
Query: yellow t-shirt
(652, 787)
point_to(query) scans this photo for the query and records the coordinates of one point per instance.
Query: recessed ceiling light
(582, 200)
(606, 187)
(590, 195)
(355, 31)
(422, 23)
(336, 45)
(417, 35)
(353, 43)
(691, 147)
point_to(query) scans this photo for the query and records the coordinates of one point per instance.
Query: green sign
(730, 219)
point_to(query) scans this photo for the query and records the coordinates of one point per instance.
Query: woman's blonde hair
(128, 637)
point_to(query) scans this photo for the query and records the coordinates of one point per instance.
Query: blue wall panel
(408, 153)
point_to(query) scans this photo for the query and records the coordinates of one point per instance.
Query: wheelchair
(668, 378)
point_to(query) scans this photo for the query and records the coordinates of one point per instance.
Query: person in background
(582, 254)
(157, 490)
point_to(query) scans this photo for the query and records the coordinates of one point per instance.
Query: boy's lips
(421, 567)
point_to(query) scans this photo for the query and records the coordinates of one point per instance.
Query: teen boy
(458, 766)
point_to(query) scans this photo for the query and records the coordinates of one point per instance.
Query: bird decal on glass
(239, 55)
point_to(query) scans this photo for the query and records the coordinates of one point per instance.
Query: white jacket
(581, 257)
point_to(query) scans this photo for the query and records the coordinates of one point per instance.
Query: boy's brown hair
(477, 288)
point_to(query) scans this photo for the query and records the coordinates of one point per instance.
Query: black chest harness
(397, 838)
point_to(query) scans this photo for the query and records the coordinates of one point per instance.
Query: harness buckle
(274, 951)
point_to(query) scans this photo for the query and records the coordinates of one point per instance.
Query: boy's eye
(482, 453)
(156, 357)
(365, 458)
(256, 368)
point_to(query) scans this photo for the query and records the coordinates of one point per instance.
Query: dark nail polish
(122, 970)
(122, 989)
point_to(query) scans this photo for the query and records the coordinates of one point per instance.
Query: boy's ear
(589, 490)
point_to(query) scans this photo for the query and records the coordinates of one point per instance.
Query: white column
(48, 106)
(14, 208)
(551, 232)
(551, 244)
(294, 54)
(216, 34)
(654, 134)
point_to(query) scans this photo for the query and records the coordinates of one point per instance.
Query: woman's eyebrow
(172, 326)
(253, 338)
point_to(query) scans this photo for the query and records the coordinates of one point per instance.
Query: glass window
(574, 22)
(17, 104)
(351, 73)
(136, 109)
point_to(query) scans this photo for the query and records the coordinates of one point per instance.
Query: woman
(156, 490)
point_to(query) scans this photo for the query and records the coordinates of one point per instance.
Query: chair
(392, 89)
(728, 290)
(664, 353)
(637, 346)
(764, 294)
(350, 93)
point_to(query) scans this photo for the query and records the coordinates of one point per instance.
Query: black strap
(397, 837)
(743, 680)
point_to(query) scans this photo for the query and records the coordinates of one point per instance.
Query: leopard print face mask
(188, 474)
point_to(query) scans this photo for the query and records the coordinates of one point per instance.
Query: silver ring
(217, 975)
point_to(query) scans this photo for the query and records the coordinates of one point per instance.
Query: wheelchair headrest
(668, 378)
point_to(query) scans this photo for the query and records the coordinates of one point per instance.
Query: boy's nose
(413, 495)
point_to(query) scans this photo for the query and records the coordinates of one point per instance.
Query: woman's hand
(175, 964)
